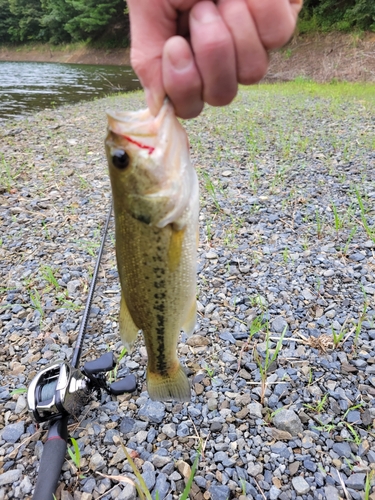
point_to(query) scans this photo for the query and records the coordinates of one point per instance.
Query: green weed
(369, 230)
(208, 184)
(319, 406)
(270, 357)
(75, 455)
(20, 390)
(36, 301)
(319, 220)
(339, 223)
(345, 249)
(6, 175)
(337, 337)
(48, 275)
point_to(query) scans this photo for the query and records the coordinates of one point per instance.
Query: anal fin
(128, 329)
(191, 320)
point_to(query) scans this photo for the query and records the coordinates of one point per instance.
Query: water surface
(27, 87)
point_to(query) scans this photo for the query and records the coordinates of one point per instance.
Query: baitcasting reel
(61, 389)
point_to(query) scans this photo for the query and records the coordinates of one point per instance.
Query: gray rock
(227, 336)
(10, 476)
(300, 485)
(255, 410)
(356, 481)
(128, 492)
(279, 324)
(253, 469)
(274, 493)
(89, 485)
(357, 257)
(169, 430)
(127, 425)
(149, 477)
(342, 449)
(12, 432)
(307, 294)
(219, 492)
(153, 411)
(200, 481)
(183, 430)
(161, 486)
(354, 416)
(97, 462)
(159, 461)
(72, 286)
(331, 493)
(26, 485)
(287, 420)
(109, 435)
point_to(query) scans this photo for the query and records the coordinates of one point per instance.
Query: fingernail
(180, 62)
(204, 14)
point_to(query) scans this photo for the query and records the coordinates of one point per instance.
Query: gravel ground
(286, 248)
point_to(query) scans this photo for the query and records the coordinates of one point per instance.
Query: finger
(214, 54)
(150, 28)
(275, 20)
(181, 78)
(251, 57)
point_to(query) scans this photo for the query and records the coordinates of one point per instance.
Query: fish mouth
(141, 129)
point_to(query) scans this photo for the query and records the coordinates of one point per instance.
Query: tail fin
(174, 387)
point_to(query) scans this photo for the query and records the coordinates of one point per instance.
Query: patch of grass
(140, 485)
(113, 373)
(48, 275)
(344, 250)
(20, 390)
(265, 364)
(211, 189)
(363, 211)
(339, 223)
(337, 336)
(319, 220)
(6, 178)
(75, 455)
(36, 301)
(319, 406)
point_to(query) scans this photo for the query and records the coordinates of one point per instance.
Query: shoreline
(319, 57)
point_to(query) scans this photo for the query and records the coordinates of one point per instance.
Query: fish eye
(120, 159)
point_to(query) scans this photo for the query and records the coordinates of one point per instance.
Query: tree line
(62, 21)
(339, 15)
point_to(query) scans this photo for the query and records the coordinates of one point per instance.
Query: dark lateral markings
(159, 306)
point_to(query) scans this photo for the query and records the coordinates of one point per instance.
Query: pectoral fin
(128, 329)
(175, 248)
(191, 320)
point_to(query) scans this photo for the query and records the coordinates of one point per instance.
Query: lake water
(27, 87)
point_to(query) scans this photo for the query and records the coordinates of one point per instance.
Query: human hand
(199, 51)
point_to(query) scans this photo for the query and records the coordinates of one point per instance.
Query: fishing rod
(62, 389)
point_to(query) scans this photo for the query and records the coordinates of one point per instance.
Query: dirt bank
(321, 57)
(68, 54)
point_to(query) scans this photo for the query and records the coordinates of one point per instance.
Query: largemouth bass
(156, 203)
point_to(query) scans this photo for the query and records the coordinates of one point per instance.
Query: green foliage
(91, 17)
(63, 21)
(342, 15)
(26, 24)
